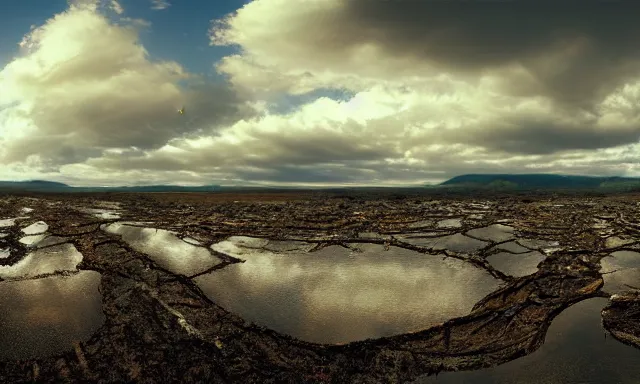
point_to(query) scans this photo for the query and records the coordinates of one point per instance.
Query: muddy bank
(621, 317)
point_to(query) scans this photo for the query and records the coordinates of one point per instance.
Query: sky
(316, 92)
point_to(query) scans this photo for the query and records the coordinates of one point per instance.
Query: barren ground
(160, 327)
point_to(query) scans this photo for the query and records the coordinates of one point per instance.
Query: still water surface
(165, 248)
(41, 317)
(620, 271)
(336, 295)
(575, 351)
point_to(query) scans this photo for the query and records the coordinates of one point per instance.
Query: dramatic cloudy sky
(316, 92)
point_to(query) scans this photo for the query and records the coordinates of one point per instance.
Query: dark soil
(160, 327)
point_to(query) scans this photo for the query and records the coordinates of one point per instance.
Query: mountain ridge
(53, 186)
(498, 181)
(540, 181)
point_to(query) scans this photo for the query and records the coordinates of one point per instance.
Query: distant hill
(462, 183)
(150, 188)
(542, 181)
(34, 185)
(51, 186)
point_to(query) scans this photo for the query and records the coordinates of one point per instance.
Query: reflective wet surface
(456, 243)
(58, 258)
(166, 249)
(7, 223)
(516, 265)
(616, 241)
(450, 223)
(496, 232)
(545, 246)
(337, 295)
(513, 246)
(575, 351)
(159, 324)
(32, 240)
(101, 213)
(621, 271)
(41, 317)
(35, 228)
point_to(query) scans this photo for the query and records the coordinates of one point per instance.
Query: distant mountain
(462, 183)
(151, 188)
(34, 185)
(52, 186)
(542, 181)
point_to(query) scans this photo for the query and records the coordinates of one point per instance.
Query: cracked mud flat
(160, 267)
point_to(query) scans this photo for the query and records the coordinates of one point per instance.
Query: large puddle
(5, 223)
(100, 213)
(59, 258)
(450, 223)
(457, 242)
(620, 271)
(575, 351)
(166, 249)
(496, 232)
(41, 317)
(36, 228)
(516, 265)
(336, 295)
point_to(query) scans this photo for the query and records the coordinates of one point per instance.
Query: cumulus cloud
(572, 53)
(83, 84)
(116, 7)
(429, 90)
(381, 136)
(471, 86)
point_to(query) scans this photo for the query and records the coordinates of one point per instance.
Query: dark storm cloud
(596, 40)
(314, 174)
(213, 105)
(208, 107)
(312, 147)
(544, 136)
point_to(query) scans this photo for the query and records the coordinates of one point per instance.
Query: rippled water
(336, 295)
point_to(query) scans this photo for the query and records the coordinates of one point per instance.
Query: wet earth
(318, 288)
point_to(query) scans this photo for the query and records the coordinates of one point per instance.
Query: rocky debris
(160, 327)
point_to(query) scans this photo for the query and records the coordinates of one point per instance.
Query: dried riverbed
(300, 287)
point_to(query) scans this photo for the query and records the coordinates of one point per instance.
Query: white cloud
(406, 119)
(381, 136)
(160, 4)
(116, 7)
(85, 4)
(83, 84)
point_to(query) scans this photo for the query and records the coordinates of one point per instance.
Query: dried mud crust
(160, 327)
